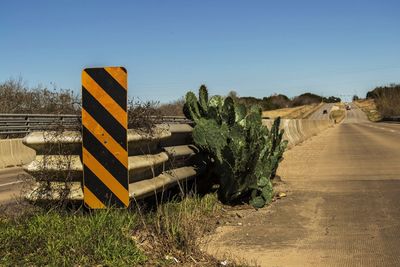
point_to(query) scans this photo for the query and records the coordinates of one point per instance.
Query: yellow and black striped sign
(104, 133)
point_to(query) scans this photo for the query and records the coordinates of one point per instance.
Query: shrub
(143, 116)
(15, 97)
(242, 153)
(387, 99)
(306, 99)
(275, 102)
(331, 99)
(173, 108)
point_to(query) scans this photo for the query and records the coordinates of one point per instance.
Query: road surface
(10, 184)
(319, 113)
(342, 206)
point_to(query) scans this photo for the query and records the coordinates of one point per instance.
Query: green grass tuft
(56, 239)
(132, 237)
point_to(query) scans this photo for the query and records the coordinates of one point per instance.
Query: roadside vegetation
(368, 106)
(239, 151)
(338, 112)
(380, 103)
(279, 101)
(16, 97)
(387, 100)
(174, 108)
(155, 235)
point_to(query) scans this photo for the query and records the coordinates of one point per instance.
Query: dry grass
(169, 233)
(369, 108)
(174, 108)
(290, 113)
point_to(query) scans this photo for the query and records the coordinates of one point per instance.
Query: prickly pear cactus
(243, 153)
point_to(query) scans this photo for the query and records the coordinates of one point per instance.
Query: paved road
(10, 184)
(319, 113)
(342, 208)
(355, 115)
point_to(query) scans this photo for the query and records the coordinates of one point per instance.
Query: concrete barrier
(14, 153)
(298, 130)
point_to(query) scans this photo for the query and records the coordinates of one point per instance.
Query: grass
(67, 239)
(173, 228)
(161, 235)
(369, 108)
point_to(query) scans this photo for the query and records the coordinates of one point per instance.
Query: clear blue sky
(254, 47)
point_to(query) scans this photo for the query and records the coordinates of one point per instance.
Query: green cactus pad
(243, 154)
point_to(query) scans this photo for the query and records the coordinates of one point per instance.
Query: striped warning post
(104, 133)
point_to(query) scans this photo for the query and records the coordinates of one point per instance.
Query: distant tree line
(277, 101)
(15, 97)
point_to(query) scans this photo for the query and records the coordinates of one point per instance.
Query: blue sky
(254, 47)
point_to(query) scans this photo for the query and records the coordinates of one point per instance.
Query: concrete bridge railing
(157, 161)
(299, 130)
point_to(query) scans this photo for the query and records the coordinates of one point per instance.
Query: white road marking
(382, 128)
(10, 183)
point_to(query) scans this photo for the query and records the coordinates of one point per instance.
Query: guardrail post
(27, 123)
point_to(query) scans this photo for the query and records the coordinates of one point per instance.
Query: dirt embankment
(369, 107)
(299, 112)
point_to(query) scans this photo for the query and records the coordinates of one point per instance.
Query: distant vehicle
(348, 107)
(325, 111)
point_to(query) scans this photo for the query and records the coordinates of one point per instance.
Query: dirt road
(342, 208)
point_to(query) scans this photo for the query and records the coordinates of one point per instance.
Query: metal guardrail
(22, 124)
